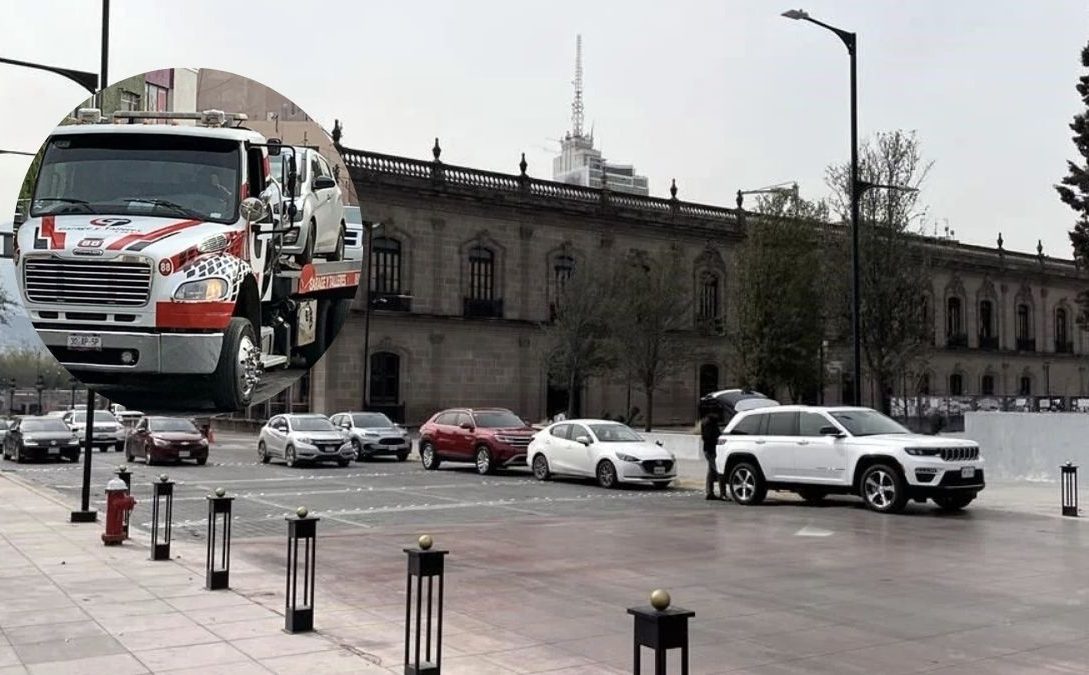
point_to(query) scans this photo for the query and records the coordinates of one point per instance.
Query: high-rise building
(580, 163)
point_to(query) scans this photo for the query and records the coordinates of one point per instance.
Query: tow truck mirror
(254, 210)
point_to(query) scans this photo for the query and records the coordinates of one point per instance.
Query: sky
(719, 95)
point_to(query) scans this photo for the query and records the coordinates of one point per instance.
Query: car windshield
(868, 423)
(277, 162)
(371, 420)
(44, 425)
(101, 416)
(311, 424)
(497, 419)
(165, 175)
(170, 424)
(353, 215)
(614, 433)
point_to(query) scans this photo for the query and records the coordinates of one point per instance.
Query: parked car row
(346, 436)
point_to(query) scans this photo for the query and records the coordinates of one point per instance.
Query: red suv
(488, 437)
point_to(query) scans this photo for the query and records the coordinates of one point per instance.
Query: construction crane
(778, 189)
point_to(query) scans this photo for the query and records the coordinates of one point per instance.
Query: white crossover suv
(817, 451)
(303, 438)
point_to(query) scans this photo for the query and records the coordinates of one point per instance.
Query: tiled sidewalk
(69, 604)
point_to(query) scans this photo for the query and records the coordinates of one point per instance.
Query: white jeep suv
(817, 451)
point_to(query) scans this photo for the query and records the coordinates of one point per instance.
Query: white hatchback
(319, 226)
(608, 451)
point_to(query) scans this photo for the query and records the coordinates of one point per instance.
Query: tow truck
(150, 257)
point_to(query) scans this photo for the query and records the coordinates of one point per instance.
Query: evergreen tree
(1074, 190)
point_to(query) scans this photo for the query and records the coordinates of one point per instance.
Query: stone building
(466, 264)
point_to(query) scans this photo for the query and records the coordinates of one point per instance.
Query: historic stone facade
(465, 270)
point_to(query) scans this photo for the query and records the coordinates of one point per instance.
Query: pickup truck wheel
(747, 485)
(882, 488)
(238, 371)
(484, 463)
(428, 457)
(953, 502)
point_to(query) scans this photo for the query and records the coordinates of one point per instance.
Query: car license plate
(88, 341)
(968, 472)
(183, 453)
(54, 451)
(659, 470)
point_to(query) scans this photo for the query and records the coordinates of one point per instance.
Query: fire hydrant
(118, 503)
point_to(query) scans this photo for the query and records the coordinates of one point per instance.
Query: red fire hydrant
(118, 503)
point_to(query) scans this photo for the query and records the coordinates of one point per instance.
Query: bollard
(423, 562)
(218, 564)
(300, 618)
(125, 475)
(162, 493)
(661, 628)
(1069, 485)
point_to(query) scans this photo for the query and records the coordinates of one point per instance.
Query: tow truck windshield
(139, 175)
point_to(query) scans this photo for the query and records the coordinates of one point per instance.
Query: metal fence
(934, 414)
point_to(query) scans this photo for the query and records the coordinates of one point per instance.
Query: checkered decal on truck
(219, 265)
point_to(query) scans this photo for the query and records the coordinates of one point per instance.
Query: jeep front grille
(79, 282)
(960, 454)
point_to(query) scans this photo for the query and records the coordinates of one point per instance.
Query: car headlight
(626, 458)
(202, 290)
(160, 442)
(923, 452)
(29, 441)
(304, 439)
(291, 236)
(73, 441)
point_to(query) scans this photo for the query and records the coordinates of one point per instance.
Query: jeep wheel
(953, 502)
(606, 474)
(262, 453)
(484, 463)
(883, 489)
(428, 457)
(540, 467)
(236, 376)
(812, 497)
(747, 484)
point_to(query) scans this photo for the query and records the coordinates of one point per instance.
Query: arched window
(986, 385)
(956, 385)
(1025, 341)
(481, 273)
(1062, 333)
(708, 308)
(386, 266)
(924, 385)
(1025, 388)
(385, 378)
(954, 319)
(563, 267)
(986, 320)
(708, 378)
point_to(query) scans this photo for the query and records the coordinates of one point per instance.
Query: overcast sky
(720, 95)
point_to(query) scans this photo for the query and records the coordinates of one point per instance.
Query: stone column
(437, 270)
(526, 305)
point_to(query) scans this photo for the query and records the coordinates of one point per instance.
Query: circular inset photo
(187, 241)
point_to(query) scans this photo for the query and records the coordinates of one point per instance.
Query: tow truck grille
(75, 282)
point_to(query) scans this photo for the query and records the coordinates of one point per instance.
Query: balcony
(710, 326)
(957, 341)
(1064, 347)
(475, 308)
(988, 343)
(1026, 344)
(391, 302)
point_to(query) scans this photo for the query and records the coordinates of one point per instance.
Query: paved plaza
(540, 574)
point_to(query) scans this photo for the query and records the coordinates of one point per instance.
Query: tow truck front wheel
(236, 376)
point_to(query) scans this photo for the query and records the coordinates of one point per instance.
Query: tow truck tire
(228, 393)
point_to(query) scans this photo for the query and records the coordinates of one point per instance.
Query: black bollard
(299, 618)
(162, 493)
(423, 562)
(218, 564)
(1069, 485)
(660, 628)
(125, 475)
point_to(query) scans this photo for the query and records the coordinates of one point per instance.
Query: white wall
(1028, 446)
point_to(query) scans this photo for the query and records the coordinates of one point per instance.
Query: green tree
(25, 363)
(1074, 188)
(781, 285)
(653, 303)
(894, 257)
(579, 337)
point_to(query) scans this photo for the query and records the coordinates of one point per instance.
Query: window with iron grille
(1060, 326)
(563, 267)
(1026, 386)
(481, 273)
(709, 302)
(986, 385)
(954, 323)
(1024, 322)
(956, 385)
(386, 266)
(986, 319)
(385, 377)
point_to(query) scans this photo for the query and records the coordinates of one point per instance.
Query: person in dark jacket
(709, 431)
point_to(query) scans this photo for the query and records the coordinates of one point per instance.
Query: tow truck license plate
(659, 470)
(968, 472)
(89, 341)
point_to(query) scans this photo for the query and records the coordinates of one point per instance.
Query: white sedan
(608, 451)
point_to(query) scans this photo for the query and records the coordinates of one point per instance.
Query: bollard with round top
(424, 562)
(660, 627)
(299, 606)
(1069, 487)
(217, 568)
(162, 516)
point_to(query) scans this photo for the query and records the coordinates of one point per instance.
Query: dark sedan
(40, 438)
(166, 439)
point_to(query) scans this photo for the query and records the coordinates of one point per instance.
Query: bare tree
(894, 260)
(652, 310)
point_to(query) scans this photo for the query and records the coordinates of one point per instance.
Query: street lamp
(39, 386)
(368, 269)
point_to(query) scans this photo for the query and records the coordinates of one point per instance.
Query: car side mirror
(468, 426)
(831, 431)
(585, 440)
(324, 183)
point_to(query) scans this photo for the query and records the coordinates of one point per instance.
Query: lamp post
(367, 295)
(72, 383)
(11, 399)
(39, 386)
(857, 187)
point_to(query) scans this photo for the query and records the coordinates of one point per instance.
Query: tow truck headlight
(202, 290)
